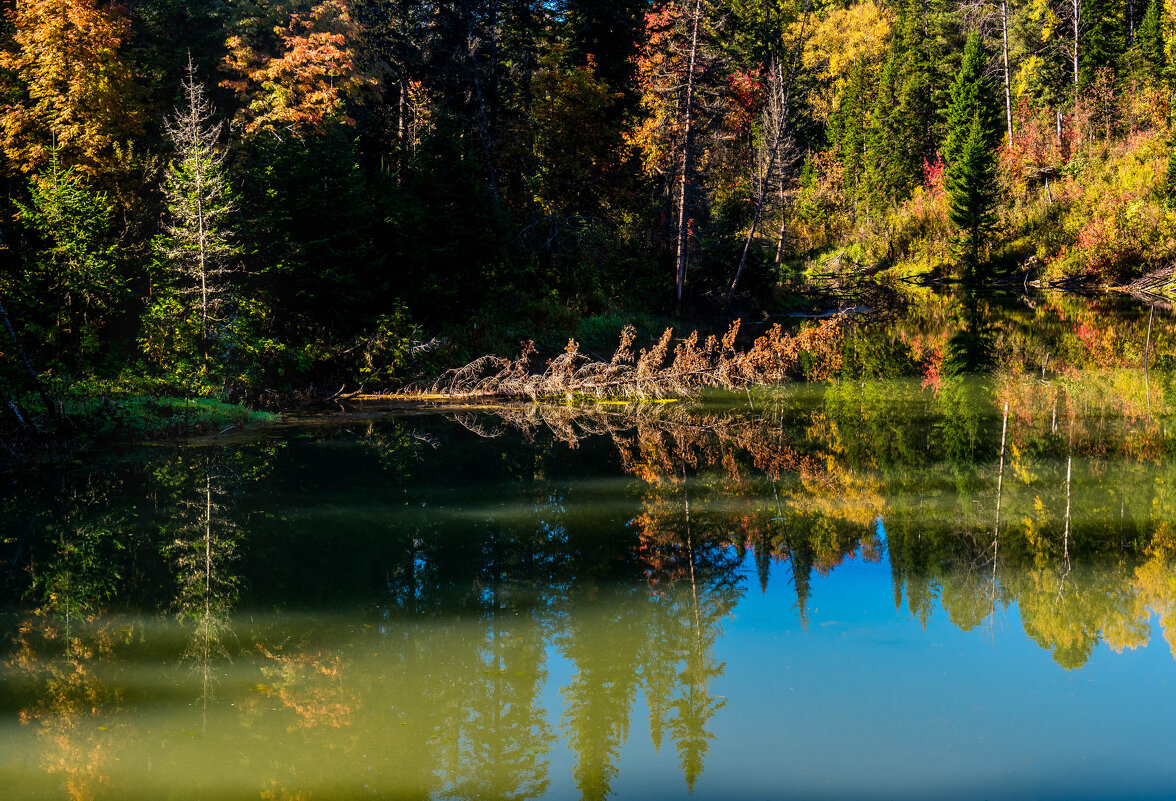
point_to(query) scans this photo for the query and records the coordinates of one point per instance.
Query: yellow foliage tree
(844, 38)
(68, 86)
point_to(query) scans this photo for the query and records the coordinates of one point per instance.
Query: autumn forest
(228, 198)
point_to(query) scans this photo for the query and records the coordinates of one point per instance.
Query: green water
(874, 586)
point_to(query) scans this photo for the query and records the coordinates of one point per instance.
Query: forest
(240, 199)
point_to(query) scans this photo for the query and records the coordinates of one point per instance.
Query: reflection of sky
(866, 704)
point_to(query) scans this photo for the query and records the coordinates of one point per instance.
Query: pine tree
(196, 247)
(903, 120)
(1103, 38)
(1170, 179)
(971, 186)
(1168, 187)
(848, 127)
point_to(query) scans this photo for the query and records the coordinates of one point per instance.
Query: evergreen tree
(1102, 36)
(848, 127)
(1168, 187)
(195, 249)
(1149, 41)
(971, 186)
(74, 263)
(971, 96)
(903, 122)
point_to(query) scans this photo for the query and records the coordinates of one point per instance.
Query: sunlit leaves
(307, 79)
(71, 89)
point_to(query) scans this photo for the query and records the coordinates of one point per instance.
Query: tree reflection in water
(498, 622)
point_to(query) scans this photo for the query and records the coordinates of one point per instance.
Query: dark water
(845, 588)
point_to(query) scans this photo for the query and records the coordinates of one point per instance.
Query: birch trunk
(1004, 31)
(687, 143)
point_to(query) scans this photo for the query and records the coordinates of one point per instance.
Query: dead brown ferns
(655, 372)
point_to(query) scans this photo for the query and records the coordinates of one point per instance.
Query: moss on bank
(137, 417)
(121, 416)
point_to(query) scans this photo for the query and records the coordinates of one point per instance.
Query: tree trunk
(1004, 30)
(687, 143)
(1076, 5)
(777, 139)
(783, 230)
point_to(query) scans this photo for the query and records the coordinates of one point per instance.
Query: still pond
(943, 567)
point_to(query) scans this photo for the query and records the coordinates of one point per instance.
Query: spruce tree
(971, 186)
(848, 127)
(74, 265)
(1149, 41)
(903, 122)
(1104, 38)
(1168, 187)
(971, 96)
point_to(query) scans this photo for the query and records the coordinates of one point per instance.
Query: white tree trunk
(686, 164)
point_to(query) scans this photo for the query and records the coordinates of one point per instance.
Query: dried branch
(652, 373)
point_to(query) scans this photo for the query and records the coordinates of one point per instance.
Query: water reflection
(460, 606)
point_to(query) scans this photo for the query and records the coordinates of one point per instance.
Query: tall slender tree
(196, 247)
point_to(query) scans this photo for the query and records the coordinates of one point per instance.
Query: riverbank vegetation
(243, 200)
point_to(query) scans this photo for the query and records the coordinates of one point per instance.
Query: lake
(946, 571)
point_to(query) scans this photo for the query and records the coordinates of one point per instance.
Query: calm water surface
(842, 588)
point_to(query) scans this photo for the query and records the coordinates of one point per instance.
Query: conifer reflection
(201, 541)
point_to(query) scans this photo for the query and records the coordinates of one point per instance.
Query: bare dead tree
(196, 242)
(776, 119)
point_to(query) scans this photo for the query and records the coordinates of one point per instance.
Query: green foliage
(971, 96)
(127, 416)
(904, 126)
(1149, 41)
(1168, 188)
(188, 328)
(848, 128)
(1104, 38)
(971, 185)
(972, 133)
(485, 172)
(75, 268)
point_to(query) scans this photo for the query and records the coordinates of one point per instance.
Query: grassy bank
(112, 416)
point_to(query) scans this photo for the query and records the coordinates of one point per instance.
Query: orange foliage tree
(307, 79)
(68, 86)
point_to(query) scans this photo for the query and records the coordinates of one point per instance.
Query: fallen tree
(654, 372)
